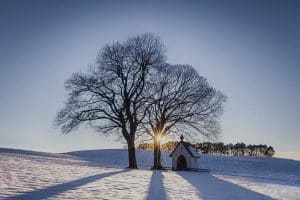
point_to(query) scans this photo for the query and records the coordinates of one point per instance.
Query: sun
(159, 138)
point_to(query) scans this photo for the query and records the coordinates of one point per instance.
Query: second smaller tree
(182, 102)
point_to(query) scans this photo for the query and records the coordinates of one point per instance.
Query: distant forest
(219, 148)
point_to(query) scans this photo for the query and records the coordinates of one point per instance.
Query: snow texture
(101, 174)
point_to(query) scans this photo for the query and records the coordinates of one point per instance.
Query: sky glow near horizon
(247, 49)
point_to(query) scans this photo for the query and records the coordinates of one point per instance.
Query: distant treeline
(219, 148)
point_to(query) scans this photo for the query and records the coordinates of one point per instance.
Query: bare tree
(110, 96)
(182, 101)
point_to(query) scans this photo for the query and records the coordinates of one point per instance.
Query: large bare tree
(182, 102)
(110, 96)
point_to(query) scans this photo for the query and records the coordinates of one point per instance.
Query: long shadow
(56, 189)
(211, 187)
(156, 189)
(274, 180)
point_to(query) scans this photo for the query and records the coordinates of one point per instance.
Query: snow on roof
(193, 151)
(189, 148)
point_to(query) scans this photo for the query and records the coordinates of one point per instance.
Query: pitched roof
(188, 146)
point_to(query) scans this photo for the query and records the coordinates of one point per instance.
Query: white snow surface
(102, 174)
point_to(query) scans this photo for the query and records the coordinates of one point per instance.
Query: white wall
(190, 161)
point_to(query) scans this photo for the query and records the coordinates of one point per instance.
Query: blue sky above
(247, 49)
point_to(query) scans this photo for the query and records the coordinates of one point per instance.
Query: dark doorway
(181, 163)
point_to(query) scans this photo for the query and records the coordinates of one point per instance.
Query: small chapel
(184, 156)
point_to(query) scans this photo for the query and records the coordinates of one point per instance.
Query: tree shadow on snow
(156, 189)
(273, 180)
(211, 187)
(56, 189)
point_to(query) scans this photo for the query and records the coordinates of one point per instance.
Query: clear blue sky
(247, 49)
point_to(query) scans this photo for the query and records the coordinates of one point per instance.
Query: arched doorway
(181, 163)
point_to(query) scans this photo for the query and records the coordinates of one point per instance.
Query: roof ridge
(186, 146)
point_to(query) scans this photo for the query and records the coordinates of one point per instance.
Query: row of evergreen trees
(219, 148)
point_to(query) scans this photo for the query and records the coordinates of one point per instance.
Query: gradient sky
(247, 49)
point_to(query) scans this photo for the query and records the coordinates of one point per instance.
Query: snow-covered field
(101, 174)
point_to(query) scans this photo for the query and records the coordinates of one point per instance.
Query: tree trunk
(157, 155)
(131, 154)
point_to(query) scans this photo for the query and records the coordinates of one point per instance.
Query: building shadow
(56, 189)
(211, 187)
(156, 189)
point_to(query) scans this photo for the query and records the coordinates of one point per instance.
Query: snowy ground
(101, 174)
